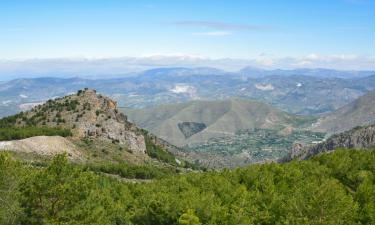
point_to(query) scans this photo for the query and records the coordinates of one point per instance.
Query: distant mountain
(182, 71)
(360, 112)
(319, 72)
(297, 94)
(356, 138)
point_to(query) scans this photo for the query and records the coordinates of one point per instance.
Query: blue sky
(247, 29)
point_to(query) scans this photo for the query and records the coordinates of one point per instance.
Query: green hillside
(336, 188)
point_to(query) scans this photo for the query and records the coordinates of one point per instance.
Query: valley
(229, 133)
(218, 134)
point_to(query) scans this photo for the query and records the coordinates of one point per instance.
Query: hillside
(360, 112)
(356, 138)
(226, 133)
(198, 121)
(92, 124)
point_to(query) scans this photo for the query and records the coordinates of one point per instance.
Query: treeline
(16, 133)
(331, 189)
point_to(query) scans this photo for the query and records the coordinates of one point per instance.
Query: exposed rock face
(89, 115)
(358, 138)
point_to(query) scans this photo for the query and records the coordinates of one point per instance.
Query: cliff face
(358, 138)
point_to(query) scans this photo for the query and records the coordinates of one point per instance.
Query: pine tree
(189, 218)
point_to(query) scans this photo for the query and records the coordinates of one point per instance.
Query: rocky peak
(89, 115)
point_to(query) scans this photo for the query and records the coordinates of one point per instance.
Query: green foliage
(189, 218)
(10, 172)
(155, 151)
(16, 133)
(63, 194)
(330, 189)
(10, 120)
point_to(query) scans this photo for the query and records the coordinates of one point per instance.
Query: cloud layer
(107, 67)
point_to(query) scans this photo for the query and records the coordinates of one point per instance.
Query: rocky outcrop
(357, 138)
(88, 115)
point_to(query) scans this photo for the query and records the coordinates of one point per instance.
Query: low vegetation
(17, 133)
(10, 131)
(156, 152)
(336, 188)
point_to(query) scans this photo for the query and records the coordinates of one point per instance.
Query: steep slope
(94, 123)
(361, 112)
(357, 138)
(211, 119)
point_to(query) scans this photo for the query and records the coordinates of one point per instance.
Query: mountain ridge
(360, 112)
(357, 138)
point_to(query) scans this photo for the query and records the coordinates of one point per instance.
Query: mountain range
(215, 134)
(298, 91)
(233, 132)
(198, 121)
(226, 133)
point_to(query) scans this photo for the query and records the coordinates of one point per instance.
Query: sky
(267, 33)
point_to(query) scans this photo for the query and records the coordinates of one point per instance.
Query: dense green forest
(335, 188)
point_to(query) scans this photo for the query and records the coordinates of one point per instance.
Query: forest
(335, 188)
